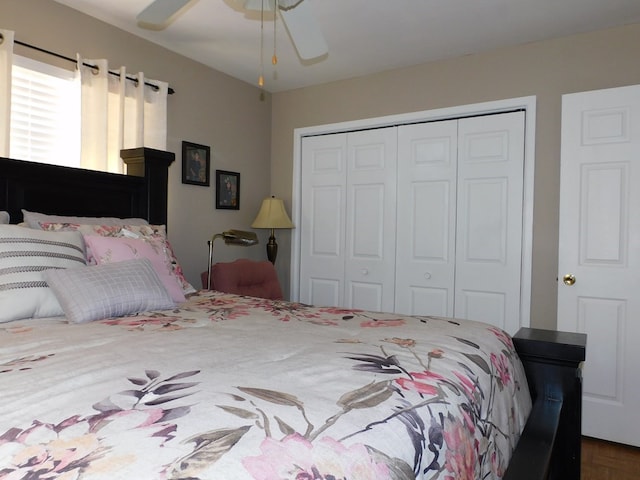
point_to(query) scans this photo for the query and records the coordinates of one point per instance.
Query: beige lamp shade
(272, 215)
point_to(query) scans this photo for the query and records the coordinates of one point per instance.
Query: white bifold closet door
(460, 219)
(424, 219)
(348, 221)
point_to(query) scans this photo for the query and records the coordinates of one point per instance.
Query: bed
(220, 386)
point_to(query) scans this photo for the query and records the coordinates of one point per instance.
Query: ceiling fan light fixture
(296, 15)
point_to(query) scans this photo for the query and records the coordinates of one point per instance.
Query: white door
(322, 223)
(348, 219)
(427, 179)
(489, 230)
(371, 219)
(460, 219)
(599, 254)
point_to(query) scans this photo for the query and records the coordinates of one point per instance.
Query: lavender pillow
(107, 291)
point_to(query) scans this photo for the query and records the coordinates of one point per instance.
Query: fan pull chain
(274, 58)
(261, 77)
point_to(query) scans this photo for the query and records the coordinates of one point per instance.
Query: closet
(423, 218)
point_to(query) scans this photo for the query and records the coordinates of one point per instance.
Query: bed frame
(549, 447)
(51, 189)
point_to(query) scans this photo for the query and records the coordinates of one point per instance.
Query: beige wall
(209, 108)
(549, 69)
(213, 109)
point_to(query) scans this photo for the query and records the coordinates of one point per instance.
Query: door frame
(528, 104)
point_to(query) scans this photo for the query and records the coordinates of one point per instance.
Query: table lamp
(272, 215)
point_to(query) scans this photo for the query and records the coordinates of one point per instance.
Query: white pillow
(24, 254)
(109, 290)
(4, 218)
(33, 219)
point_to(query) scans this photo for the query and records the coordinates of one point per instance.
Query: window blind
(45, 114)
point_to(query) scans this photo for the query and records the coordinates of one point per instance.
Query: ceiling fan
(296, 15)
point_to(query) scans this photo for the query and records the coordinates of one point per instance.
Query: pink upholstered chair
(245, 277)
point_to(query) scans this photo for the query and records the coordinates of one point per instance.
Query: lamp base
(272, 248)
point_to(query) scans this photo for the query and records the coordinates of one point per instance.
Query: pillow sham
(106, 291)
(112, 249)
(4, 218)
(24, 254)
(143, 232)
(33, 219)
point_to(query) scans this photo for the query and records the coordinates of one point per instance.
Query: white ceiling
(364, 36)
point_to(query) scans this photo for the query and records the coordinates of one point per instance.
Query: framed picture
(196, 164)
(227, 190)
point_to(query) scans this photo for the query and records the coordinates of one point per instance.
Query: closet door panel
(370, 217)
(323, 220)
(425, 259)
(485, 214)
(489, 221)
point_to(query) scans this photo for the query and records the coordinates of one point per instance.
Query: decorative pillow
(24, 254)
(4, 218)
(111, 249)
(143, 232)
(33, 219)
(107, 291)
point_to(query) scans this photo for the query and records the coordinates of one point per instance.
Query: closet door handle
(427, 275)
(364, 271)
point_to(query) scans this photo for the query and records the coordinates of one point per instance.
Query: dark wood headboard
(56, 190)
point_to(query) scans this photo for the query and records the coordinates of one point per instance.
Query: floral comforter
(230, 387)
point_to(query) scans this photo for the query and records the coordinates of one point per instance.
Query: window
(45, 113)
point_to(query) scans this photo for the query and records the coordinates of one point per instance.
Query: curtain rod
(170, 91)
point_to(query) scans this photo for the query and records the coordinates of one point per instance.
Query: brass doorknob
(569, 279)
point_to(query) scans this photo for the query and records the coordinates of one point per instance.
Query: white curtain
(6, 61)
(119, 113)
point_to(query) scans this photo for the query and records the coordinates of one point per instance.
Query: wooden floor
(609, 461)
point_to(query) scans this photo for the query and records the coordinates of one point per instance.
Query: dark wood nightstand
(552, 361)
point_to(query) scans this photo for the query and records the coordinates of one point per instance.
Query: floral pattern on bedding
(79, 444)
(300, 393)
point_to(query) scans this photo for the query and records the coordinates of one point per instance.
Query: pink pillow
(151, 233)
(118, 249)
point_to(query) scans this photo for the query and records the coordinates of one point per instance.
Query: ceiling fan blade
(304, 31)
(159, 14)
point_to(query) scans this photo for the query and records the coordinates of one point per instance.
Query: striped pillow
(24, 254)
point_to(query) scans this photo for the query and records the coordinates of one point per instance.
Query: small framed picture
(196, 164)
(227, 190)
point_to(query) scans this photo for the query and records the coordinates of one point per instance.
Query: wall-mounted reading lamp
(230, 237)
